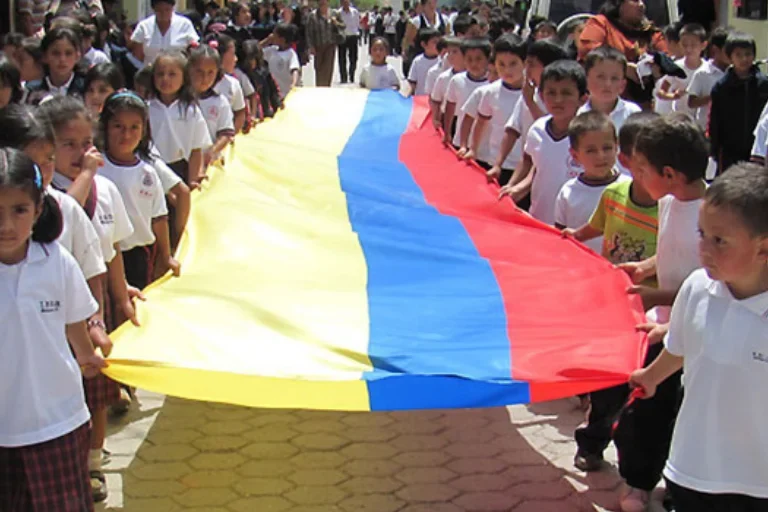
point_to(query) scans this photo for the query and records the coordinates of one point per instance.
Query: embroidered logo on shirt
(147, 180)
(574, 168)
(213, 111)
(759, 356)
(106, 219)
(49, 306)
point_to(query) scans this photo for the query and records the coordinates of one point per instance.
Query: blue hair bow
(38, 178)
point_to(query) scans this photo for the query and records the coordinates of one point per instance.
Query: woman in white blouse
(164, 30)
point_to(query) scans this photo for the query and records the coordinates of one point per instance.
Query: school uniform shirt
(379, 77)
(553, 166)
(662, 106)
(418, 73)
(178, 36)
(441, 85)
(176, 131)
(577, 201)
(522, 119)
(143, 196)
(282, 63)
(497, 103)
(218, 115)
(681, 84)
(677, 249)
(702, 82)
(469, 108)
(40, 91)
(720, 439)
(168, 178)
(245, 83)
(460, 88)
(42, 388)
(432, 74)
(618, 116)
(78, 236)
(760, 146)
(95, 56)
(230, 88)
(110, 219)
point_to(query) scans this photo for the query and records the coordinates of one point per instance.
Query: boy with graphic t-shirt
(670, 159)
(718, 334)
(547, 148)
(417, 75)
(476, 52)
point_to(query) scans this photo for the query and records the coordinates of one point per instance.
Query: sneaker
(634, 500)
(588, 461)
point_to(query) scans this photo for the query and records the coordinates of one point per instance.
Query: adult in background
(428, 18)
(348, 49)
(390, 28)
(323, 32)
(164, 30)
(622, 24)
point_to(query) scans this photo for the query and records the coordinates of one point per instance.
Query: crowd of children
(107, 172)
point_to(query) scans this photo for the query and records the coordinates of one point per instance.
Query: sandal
(98, 486)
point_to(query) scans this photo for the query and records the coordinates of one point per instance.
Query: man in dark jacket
(738, 99)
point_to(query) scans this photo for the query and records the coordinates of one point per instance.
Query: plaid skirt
(101, 391)
(47, 477)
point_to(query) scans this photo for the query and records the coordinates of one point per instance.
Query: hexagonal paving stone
(316, 508)
(542, 491)
(487, 501)
(432, 507)
(312, 477)
(270, 418)
(270, 433)
(409, 442)
(319, 425)
(320, 495)
(371, 468)
(182, 435)
(547, 506)
(422, 459)
(160, 470)
(371, 485)
(465, 421)
(318, 460)
(372, 503)
(233, 414)
(469, 436)
(152, 505)
(462, 449)
(417, 426)
(220, 443)
(166, 453)
(207, 479)
(320, 441)
(266, 468)
(481, 483)
(369, 451)
(152, 488)
(166, 422)
(216, 460)
(425, 475)
(527, 457)
(427, 493)
(207, 497)
(262, 486)
(477, 465)
(269, 451)
(261, 504)
(369, 434)
(367, 419)
(217, 428)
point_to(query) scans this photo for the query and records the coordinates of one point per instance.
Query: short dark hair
(672, 32)
(11, 77)
(674, 141)
(287, 31)
(631, 127)
(718, 37)
(694, 29)
(562, 70)
(105, 72)
(510, 43)
(743, 190)
(546, 52)
(738, 39)
(427, 33)
(476, 43)
(442, 44)
(153, 3)
(463, 23)
(592, 121)
(20, 126)
(604, 54)
(452, 41)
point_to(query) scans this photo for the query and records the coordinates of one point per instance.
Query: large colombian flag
(344, 259)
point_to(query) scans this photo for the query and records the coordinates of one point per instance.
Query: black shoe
(588, 461)
(343, 80)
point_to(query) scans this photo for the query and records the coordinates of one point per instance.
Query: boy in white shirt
(693, 39)
(547, 148)
(496, 103)
(719, 336)
(670, 160)
(455, 61)
(282, 59)
(705, 78)
(417, 75)
(476, 52)
(442, 65)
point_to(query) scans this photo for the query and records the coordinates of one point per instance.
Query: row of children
(107, 172)
(632, 185)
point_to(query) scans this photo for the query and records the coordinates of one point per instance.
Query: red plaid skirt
(101, 392)
(47, 477)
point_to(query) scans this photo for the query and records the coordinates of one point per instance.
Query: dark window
(753, 9)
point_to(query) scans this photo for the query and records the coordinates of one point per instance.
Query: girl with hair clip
(61, 55)
(10, 82)
(205, 71)
(251, 61)
(228, 85)
(101, 81)
(77, 162)
(45, 305)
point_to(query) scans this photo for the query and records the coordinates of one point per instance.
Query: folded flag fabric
(344, 259)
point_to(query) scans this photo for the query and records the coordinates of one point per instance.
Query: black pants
(348, 46)
(181, 168)
(139, 265)
(391, 40)
(688, 500)
(644, 431)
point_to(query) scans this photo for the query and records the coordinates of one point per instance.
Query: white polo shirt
(375, 77)
(351, 21)
(418, 73)
(282, 64)
(720, 443)
(177, 37)
(441, 84)
(521, 119)
(177, 132)
(230, 88)
(218, 116)
(78, 235)
(432, 74)
(168, 178)
(470, 109)
(702, 82)
(460, 88)
(110, 220)
(143, 196)
(41, 386)
(760, 146)
(497, 104)
(245, 83)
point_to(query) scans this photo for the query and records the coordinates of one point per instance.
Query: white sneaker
(634, 500)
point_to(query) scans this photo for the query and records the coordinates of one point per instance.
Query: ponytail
(50, 223)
